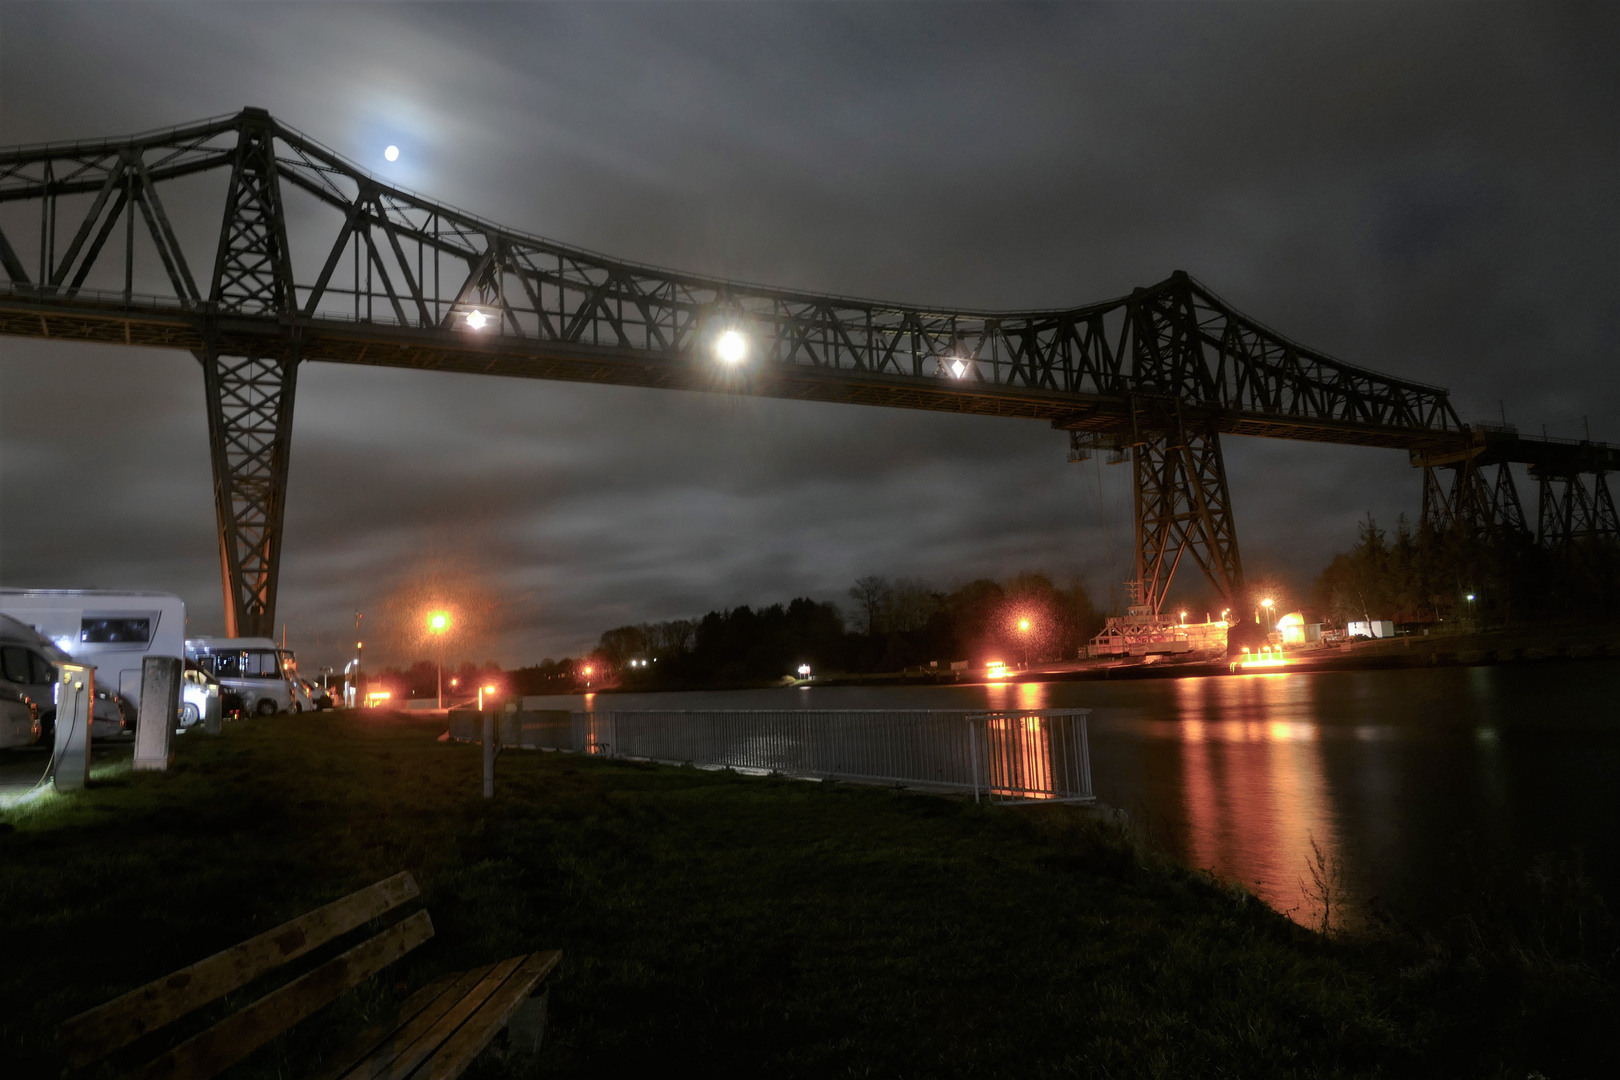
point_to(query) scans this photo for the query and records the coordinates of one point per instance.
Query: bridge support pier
(250, 410)
(250, 397)
(1471, 502)
(1566, 512)
(1182, 502)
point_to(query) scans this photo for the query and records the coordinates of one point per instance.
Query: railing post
(489, 754)
(973, 753)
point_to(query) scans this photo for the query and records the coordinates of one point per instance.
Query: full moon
(392, 153)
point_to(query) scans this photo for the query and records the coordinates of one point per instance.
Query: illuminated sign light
(1267, 657)
(996, 669)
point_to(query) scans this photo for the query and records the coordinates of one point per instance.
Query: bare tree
(871, 592)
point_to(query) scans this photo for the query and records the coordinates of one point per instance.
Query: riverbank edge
(1372, 656)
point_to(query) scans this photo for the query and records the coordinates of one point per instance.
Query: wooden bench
(436, 1033)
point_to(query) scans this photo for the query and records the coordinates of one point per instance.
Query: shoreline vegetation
(777, 926)
(1456, 598)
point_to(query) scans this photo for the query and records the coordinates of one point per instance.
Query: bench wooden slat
(229, 1041)
(399, 1060)
(94, 1034)
(470, 1039)
(383, 1042)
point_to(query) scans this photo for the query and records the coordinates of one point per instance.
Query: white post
(75, 694)
(160, 705)
(489, 754)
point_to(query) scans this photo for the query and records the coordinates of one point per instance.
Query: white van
(255, 670)
(111, 631)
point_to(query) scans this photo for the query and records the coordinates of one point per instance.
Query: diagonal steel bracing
(250, 406)
(1473, 501)
(1568, 513)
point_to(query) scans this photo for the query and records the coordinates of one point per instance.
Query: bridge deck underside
(459, 351)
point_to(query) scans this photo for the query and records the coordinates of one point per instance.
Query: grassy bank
(730, 923)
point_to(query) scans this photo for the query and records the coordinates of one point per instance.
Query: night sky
(1428, 190)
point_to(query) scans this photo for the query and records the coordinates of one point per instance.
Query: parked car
(200, 697)
(318, 698)
(19, 718)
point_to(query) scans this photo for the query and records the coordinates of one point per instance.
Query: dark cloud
(1429, 190)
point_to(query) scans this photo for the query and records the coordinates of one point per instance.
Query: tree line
(1426, 575)
(891, 625)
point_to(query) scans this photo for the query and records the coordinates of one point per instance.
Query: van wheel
(189, 715)
(265, 707)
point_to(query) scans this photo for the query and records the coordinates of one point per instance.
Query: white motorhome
(111, 631)
(256, 670)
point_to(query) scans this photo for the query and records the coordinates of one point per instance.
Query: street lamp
(1266, 603)
(731, 348)
(1023, 628)
(438, 623)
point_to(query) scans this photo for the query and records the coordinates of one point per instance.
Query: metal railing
(1021, 755)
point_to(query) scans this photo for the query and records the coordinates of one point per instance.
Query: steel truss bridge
(114, 240)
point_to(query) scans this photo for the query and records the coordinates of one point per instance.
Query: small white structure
(1373, 628)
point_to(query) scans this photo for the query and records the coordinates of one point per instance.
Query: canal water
(1421, 784)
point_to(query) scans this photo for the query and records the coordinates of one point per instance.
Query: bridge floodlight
(959, 367)
(392, 153)
(731, 347)
(476, 319)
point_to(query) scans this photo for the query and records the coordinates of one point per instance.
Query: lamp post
(438, 623)
(1023, 628)
(1266, 604)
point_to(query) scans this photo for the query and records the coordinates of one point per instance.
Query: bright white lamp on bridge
(959, 367)
(731, 347)
(476, 319)
(392, 153)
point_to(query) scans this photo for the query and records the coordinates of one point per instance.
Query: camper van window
(44, 670)
(261, 664)
(224, 665)
(110, 631)
(14, 664)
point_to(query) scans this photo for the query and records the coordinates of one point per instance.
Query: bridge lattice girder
(315, 259)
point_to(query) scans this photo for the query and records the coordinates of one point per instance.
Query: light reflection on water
(1393, 773)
